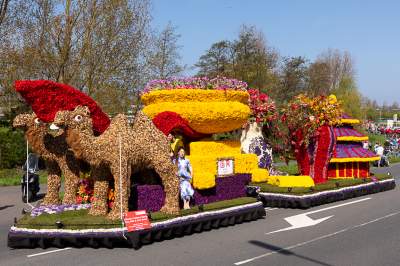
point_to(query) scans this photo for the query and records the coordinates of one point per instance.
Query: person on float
(176, 143)
(185, 175)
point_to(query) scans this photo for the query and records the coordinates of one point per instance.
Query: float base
(280, 200)
(118, 237)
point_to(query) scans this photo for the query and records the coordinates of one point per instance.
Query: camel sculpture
(120, 148)
(58, 158)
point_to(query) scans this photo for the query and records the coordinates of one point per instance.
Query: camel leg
(115, 212)
(167, 172)
(70, 184)
(53, 184)
(100, 194)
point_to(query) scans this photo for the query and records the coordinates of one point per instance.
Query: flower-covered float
(328, 149)
(198, 108)
(130, 169)
(349, 158)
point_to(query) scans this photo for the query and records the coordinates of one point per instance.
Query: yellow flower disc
(194, 95)
(205, 117)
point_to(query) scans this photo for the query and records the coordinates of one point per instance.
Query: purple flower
(218, 83)
(53, 209)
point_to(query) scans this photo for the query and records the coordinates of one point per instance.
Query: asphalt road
(361, 231)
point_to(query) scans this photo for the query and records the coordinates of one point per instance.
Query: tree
(3, 9)
(253, 61)
(246, 58)
(293, 78)
(340, 66)
(318, 79)
(369, 109)
(217, 61)
(350, 97)
(98, 46)
(165, 57)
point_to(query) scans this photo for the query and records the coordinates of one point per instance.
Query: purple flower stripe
(151, 197)
(226, 188)
(349, 150)
(53, 209)
(218, 83)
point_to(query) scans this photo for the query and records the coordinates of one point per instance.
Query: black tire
(31, 196)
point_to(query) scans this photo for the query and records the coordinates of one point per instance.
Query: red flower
(47, 98)
(263, 97)
(167, 122)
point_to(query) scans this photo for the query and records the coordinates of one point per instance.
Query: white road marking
(316, 239)
(47, 252)
(270, 209)
(340, 205)
(302, 220)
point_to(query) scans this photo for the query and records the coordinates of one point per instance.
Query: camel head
(28, 121)
(79, 119)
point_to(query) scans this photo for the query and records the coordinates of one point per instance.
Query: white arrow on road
(302, 220)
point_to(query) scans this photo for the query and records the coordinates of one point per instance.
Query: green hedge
(12, 148)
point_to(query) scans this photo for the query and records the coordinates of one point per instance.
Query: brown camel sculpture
(58, 158)
(141, 146)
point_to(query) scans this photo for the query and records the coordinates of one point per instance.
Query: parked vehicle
(30, 180)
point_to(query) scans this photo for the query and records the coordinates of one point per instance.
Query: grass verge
(12, 177)
(82, 220)
(290, 168)
(331, 184)
(394, 160)
(374, 138)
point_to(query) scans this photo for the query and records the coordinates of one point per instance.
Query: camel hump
(142, 120)
(140, 116)
(121, 117)
(144, 128)
(120, 121)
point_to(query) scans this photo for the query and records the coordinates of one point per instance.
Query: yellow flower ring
(207, 111)
(194, 95)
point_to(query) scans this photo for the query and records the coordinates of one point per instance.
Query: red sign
(136, 220)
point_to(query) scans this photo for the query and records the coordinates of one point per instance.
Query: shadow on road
(5, 207)
(286, 252)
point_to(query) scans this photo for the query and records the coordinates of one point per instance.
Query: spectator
(365, 145)
(376, 146)
(379, 151)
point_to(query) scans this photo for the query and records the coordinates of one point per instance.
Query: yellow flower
(205, 117)
(194, 95)
(332, 99)
(207, 111)
(222, 148)
(204, 155)
(291, 181)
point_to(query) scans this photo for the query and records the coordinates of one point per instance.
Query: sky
(369, 30)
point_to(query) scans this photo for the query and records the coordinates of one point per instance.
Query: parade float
(131, 177)
(204, 107)
(329, 150)
(350, 159)
(121, 186)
